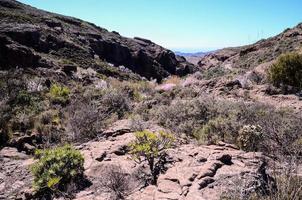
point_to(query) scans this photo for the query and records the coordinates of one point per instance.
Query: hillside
(242, 72)
(81, 116)
(250, 56)
(35, 38)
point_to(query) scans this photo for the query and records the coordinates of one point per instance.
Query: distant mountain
(197, 54)
(193, 58)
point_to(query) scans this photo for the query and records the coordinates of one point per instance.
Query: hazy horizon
(185, 25)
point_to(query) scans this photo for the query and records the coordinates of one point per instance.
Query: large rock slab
(206, 172)
(193, 172)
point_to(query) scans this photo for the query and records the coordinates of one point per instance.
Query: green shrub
(287, 71)
(28, 102)
(57, 168)
(150, 147)
(59, 94)
(249, 137)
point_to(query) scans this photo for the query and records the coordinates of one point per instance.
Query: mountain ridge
(263, 51)
(32, 37)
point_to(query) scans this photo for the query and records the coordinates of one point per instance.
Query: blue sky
(186, 25)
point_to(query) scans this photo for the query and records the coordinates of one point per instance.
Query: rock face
(31, 38)
(251, 56)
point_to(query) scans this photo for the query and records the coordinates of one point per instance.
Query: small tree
(150, 147)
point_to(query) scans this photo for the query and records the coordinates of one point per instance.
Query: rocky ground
(193, 172)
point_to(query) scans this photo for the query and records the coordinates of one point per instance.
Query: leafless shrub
(116, 101)
(90, 112)
(138, 124)
(86, 119)
(116, 182)
(283, 130)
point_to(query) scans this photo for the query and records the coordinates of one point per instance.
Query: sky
(185, 25)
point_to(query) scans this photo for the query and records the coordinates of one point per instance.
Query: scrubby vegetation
(82, 113)
(287, 71)
(212, 120)
(57, 114)
(59, 94)
(57, 169)
(150, 147)
(215, 130)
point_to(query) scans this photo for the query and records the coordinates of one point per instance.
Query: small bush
(86, 119)
(218, 129)
(116, 101)
(59, 94)
(49, 126)
(186, 116)
(150, 147)
(287, 71)
(116, 181)
(173, 80)
(56, 169)
(249, 137)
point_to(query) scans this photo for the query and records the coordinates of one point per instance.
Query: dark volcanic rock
(28, 35)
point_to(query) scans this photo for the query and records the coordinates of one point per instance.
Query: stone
(166, 87)
(102, 157)
(69, 69)
(29, 148)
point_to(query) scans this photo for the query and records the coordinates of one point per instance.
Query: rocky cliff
(32, 38)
